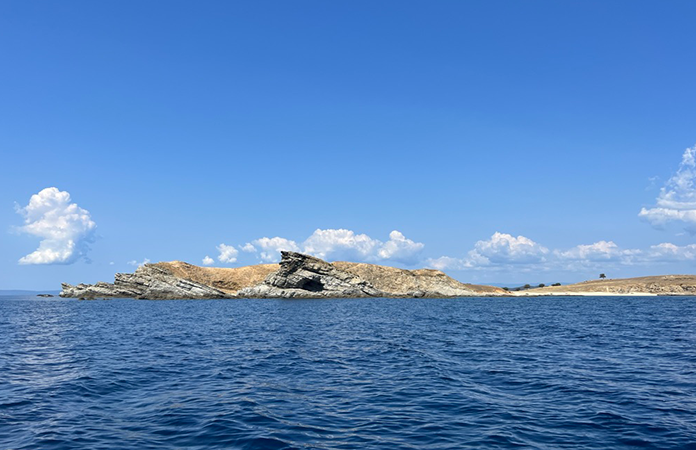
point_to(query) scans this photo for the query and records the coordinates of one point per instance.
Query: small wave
(480, 373)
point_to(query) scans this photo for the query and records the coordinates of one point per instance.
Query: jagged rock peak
(306, 276)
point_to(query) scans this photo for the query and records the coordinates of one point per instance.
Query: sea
(498, 373)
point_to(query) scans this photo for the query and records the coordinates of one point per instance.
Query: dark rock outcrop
(305, 276)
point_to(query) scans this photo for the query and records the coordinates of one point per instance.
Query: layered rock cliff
(309, 277)
(151, 281)
(297, 276)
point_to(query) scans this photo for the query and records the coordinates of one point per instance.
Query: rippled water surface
(590, 373)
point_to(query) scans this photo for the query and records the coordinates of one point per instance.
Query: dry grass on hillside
(228, 280)
(655, 284)
(387, 279)
(393, 280)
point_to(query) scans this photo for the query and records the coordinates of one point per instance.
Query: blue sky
(519, 140)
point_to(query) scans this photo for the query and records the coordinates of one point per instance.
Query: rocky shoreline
(297, 276)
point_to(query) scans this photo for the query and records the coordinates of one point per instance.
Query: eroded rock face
(412, 283)
(226, 279)
(297, 276)
(303, 276)
(148, 282)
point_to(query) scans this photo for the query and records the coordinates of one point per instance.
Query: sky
(499, 141)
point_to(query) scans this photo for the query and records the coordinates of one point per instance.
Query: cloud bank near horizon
(504, 252)
(500, 252)
(65, 229)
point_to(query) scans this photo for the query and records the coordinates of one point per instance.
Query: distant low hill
(654, 285)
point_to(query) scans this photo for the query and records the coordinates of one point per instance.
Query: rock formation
(413, 283)
(150, 281)
(297, 276)
(308, 277)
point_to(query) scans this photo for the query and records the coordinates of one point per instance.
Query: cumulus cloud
(599, 251)
(447, 263)
(505, 248)
(340, 244)
(248, 248)
(677, 199)
(608, 251)
(668, 252)
(400, 249)
(271, 247)
(208, 261)
(504, 251)
(500, 252)
(65, 229)
(228, 254)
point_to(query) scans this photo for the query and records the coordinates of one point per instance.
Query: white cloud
(447, 263)
(65, 229)
(659, 217)
(667, 252)
(228, 254)
(504, 248)
(400, 249)
(271, 247)
(677, 199)
(340, 244)
(208, 261)
(599, 251)
(506, 252)
(138, 264)
(501, 252)
(248, 248)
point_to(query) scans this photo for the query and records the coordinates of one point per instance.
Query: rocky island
(304, 276)
(297, 276)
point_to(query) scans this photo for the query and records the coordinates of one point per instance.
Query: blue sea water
(546, 373)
